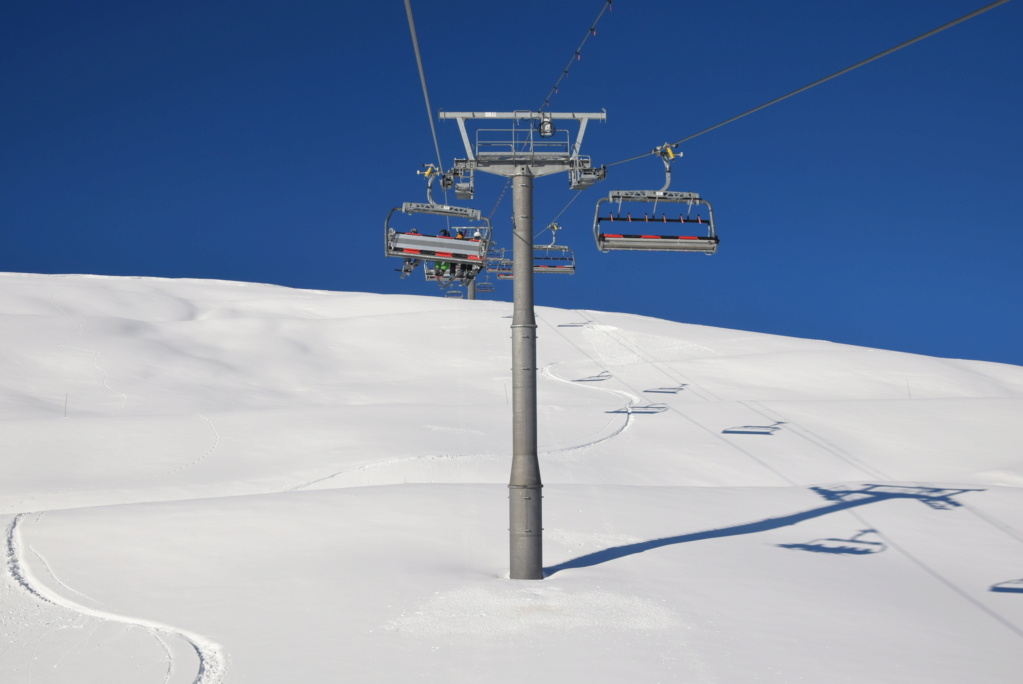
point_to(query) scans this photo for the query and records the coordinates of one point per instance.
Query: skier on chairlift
(409, 265)
(460, 270)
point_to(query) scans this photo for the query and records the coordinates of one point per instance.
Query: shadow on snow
(843, 497)
(854, 545)
(1010, 587)
(754, 429)
(668, 390)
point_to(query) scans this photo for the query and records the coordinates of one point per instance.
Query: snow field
(256, 484)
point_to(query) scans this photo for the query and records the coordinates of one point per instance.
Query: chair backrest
(437, 247)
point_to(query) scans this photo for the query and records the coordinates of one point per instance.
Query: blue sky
(267, 141)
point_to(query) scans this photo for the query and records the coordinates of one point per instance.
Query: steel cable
(879, 55)
(422, 79)
(592, 31)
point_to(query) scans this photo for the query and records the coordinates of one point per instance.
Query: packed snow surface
(228, 483)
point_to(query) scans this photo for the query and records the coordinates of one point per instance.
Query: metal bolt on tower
(523, 153)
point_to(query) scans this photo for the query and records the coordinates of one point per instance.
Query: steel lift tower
(522, 153)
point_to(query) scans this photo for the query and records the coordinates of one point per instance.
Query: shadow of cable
(844, 498)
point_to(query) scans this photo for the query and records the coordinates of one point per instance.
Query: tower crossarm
(524, 115)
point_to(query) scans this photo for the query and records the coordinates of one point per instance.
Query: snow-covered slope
(228, 482)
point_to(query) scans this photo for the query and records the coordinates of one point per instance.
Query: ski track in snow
(366, 469)
(105, 376)
(212, 663)
(592, 324)
(618, 346)
(630, 408)
(49, 571)
(800, 431)
(622, 340)
(13, 507)
(206, 454)
(631, 401)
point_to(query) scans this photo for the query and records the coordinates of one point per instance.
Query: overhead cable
(941, 28)
(498, 203)
(576, 56)
(565, 208)
(422, 78)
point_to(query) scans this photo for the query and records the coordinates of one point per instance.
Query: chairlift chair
(484, 285)
(553, 258)
(415, 245)
(549, 258)
(547, 262)
(411, 244)
(503, 269)
(641, 230)
(499, 264)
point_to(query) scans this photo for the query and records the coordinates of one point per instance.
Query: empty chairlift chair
(499, 264)
(644, 229)
(503, 268)
(549, 258)
(640, 228)
(553, 258)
